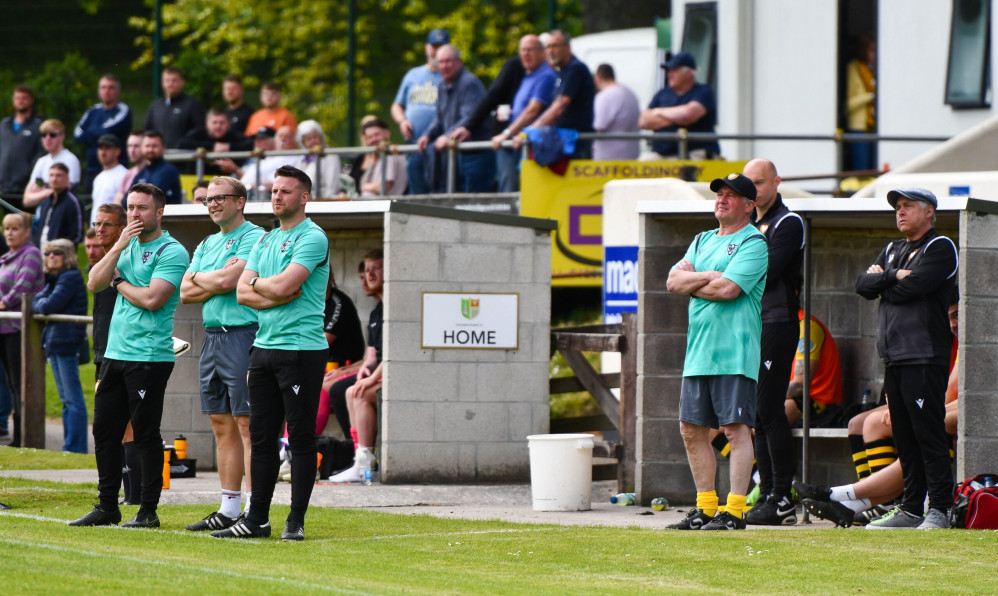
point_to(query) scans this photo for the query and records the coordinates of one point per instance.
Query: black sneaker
(876, 512)
(694, 520)
(98, 517)
(142, 520)
(774, 511)
(293, 531)
(815, 492)
(725, 521)
(833, 511)
(243, 528)
(214, 521)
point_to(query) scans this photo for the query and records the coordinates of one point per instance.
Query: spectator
(285, 139)
(382, 165)
(175, 113)
(861, 102)
(414, 109)
(107, 183)
(138, 161)
(257, 174)
(6, 405)
(200, 191)
(65, 294)
(615, 109)
(60, 214)
(310, 136)
(20, 145)
(159, 172)
(725, 267)
(457, 95)
(229, 331)
(574, 92)
(215, 136)
(20, 273)
(362, 162)
(109, 117)
(237, 110)
(53, 134)
(342, 326)
(914, 279)
(826, 375)
(93, 248)
(272, 114)
(682, 103)
(533, 88)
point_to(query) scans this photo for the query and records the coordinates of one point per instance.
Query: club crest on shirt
(732, 248)
(763, 228)
(146, 255)
(229, 243)
(285, 245)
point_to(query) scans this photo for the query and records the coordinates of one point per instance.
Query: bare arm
(796, 387)
(685, 280)
(398, 114)
(554, 111)
(285, 286)
(221, 281)
(151, 297)
(522, 121)
(34, 195)
(684, 115)
(248, 295)
(191, 293)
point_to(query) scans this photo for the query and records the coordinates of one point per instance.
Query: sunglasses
(216, 199)
(51, 135)
(54, 253)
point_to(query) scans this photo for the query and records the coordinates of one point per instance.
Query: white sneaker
(284, 474)
(180, 346)
(351, 474)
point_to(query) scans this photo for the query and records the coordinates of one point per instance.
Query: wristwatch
(117, 280)
(252, 282)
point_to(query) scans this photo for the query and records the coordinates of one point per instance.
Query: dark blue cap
(681, 59)
(914, 194)
(437, 37)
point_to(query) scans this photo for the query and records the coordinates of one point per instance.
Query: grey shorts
(222, 372)
(717, 400)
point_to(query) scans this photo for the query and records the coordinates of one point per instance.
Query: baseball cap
(914, 194)
(438, 36)
(108, 141)
(680, 59)
(736, 182)
(265, 132)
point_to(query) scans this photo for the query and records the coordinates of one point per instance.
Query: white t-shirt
(106, 185)
(66, 157)
(267, 169)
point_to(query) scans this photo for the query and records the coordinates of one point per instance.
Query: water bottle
(866, 402)
(659, 504)
(622, 499)
(366, 474)
(180, 446)
(989, 482)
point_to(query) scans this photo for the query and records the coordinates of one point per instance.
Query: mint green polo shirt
(222, 310)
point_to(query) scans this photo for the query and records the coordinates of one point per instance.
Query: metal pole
(451, 167)
(317, 188)
(684, 149)
(806, 399)
(157, 49)
(351, 71)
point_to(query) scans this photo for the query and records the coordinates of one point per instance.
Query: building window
(700, 39)
(968, 78)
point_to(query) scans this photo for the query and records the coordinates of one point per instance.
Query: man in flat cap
(724, 274)
(914, 279)
(682, 103)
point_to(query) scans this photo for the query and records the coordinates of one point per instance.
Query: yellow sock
(707, 502)
(735, 505)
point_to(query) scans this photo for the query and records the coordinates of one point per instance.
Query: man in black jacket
(59, 214)
(176, 112)
(914, 279)
(20, 145)
(217, 135)
(784, 231)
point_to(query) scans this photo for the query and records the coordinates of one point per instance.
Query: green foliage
(304, 45)
(65, 88)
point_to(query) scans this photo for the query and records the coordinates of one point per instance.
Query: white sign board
(470, 321)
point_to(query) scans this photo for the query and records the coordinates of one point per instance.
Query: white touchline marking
(227, 572)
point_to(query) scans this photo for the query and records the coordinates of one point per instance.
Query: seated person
(826, 376)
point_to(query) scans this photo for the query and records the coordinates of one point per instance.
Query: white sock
(857, 505)
(756, 477)
(843, 493)
(249, 497)
(230, 503)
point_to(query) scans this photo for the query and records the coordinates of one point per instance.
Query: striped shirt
(20, 272)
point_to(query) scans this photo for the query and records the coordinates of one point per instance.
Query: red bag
(975, 503)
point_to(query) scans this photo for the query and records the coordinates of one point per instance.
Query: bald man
(784, 231)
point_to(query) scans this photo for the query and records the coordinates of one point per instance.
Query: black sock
(297, 516)
(133, 485)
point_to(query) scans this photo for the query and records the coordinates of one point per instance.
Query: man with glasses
(682, 103)
(230, 329)
(145, 266)
(724, 274)
(574, 92)
(53, 136)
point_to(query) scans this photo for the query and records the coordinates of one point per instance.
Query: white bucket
(561, 472)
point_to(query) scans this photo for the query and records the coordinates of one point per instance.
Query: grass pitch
(362, 552)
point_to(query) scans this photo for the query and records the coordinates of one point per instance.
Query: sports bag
(975, 503)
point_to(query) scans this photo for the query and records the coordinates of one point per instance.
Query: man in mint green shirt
(145, 266)
(724, 274)
(229, 331)
(285, 281)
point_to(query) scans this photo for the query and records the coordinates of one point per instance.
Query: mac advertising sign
(620, 282)
(470, 321)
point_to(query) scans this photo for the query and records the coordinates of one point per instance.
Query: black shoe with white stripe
(214, 521)
(243, 528)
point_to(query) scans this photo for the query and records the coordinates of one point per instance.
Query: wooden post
(32, 379)
(628, 392)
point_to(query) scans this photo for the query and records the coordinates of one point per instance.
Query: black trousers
(283, 385)
(916, 396)
(130, 391)
(338, 402)
(773, 441)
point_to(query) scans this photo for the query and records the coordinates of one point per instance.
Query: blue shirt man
(110, 116)
(574, 93)
(159, 172)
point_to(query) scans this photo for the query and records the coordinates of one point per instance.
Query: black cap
(915, 194)
(265, 132)
(680, 59)
(108, 141)
(736, 182)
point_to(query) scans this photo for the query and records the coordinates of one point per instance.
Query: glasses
(104, 224)
(54, 253)
(51, 135)
(216, 199)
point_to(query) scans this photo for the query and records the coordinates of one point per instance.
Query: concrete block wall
(462, 415)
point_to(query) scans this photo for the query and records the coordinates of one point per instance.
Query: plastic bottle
(180, 446)
(366, 474)
(623, 499)
(166, 467)
(659, 504)
(866, 402)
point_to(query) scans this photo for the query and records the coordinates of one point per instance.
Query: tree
(303, 45)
